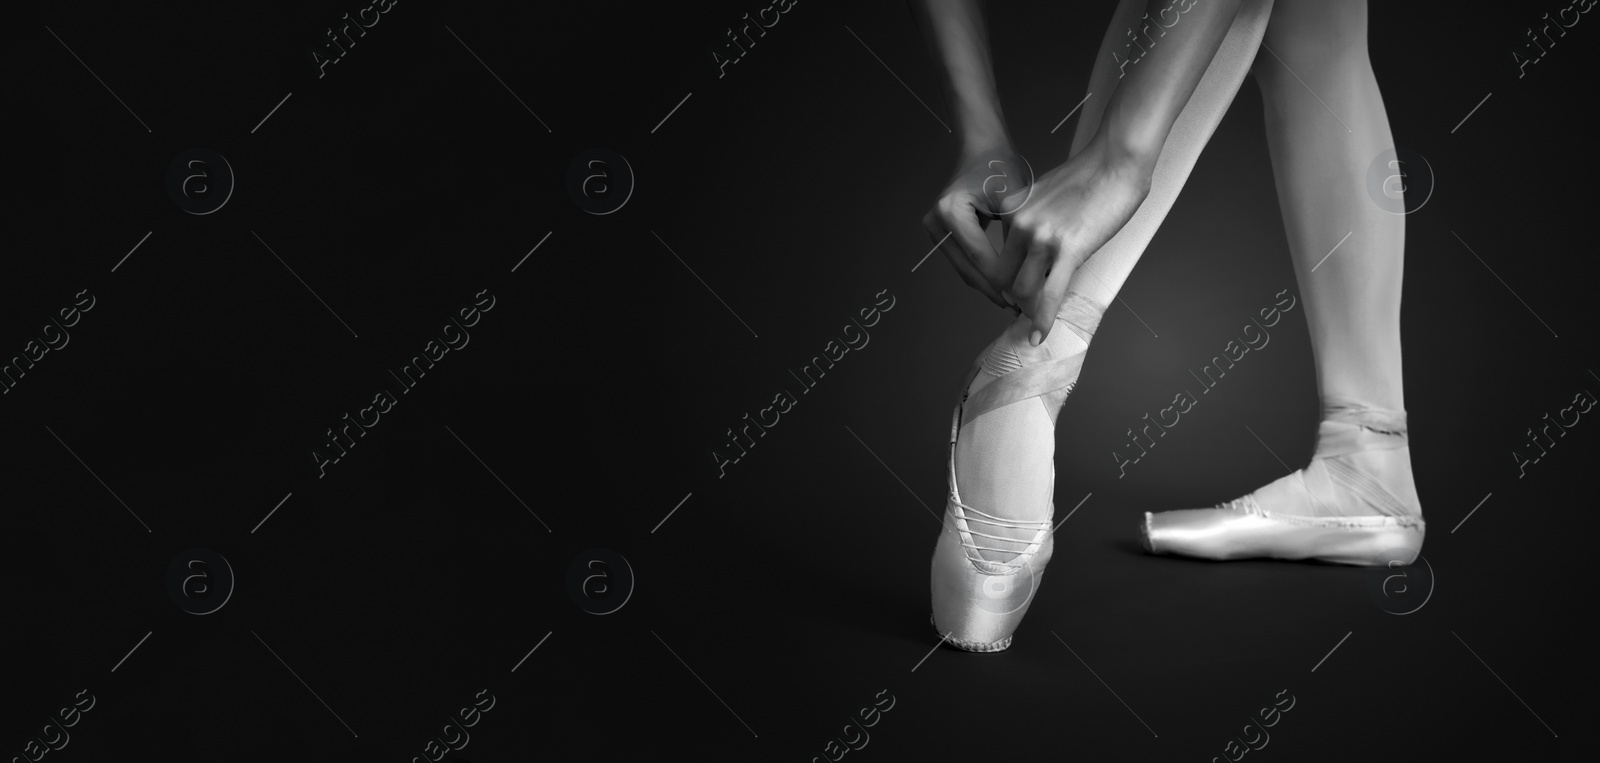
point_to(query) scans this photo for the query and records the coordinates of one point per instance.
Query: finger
(968, 233)
(964, 268)
(1013, 251)
(1045, 268)
(970, 273)
(1047, 305)
(1035, 257)
(1006, 267)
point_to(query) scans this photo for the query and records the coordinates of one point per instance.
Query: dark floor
(444, 563)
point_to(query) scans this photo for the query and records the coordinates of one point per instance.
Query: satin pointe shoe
(978, 602)
(1334, 510)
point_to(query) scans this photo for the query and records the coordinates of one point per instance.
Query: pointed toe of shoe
(1224, 534)
(1214, 533)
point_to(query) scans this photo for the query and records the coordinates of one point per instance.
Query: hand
(986, 186)
(1071, 212)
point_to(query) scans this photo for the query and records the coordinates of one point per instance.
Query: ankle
(1368, 416)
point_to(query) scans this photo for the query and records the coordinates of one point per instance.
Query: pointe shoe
(978, 603)
(1350, 518)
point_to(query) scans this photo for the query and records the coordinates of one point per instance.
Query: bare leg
(1004, 457)
(1005, 460)
(1103, 274)
(1356, 502)
(1319, 159)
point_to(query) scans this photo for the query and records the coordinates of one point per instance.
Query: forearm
(958, 38)
(1156, 85)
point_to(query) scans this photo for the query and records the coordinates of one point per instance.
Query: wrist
(1132, 164)
(1130, 155)
(977, 143)
(1130, 141)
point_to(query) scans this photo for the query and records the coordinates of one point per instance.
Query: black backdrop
(429, 568)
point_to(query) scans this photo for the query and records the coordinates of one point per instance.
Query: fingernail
(1036, 338)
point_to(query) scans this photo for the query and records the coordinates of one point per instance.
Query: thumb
(1046, 303)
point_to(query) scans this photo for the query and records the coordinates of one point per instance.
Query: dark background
(776, 601)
